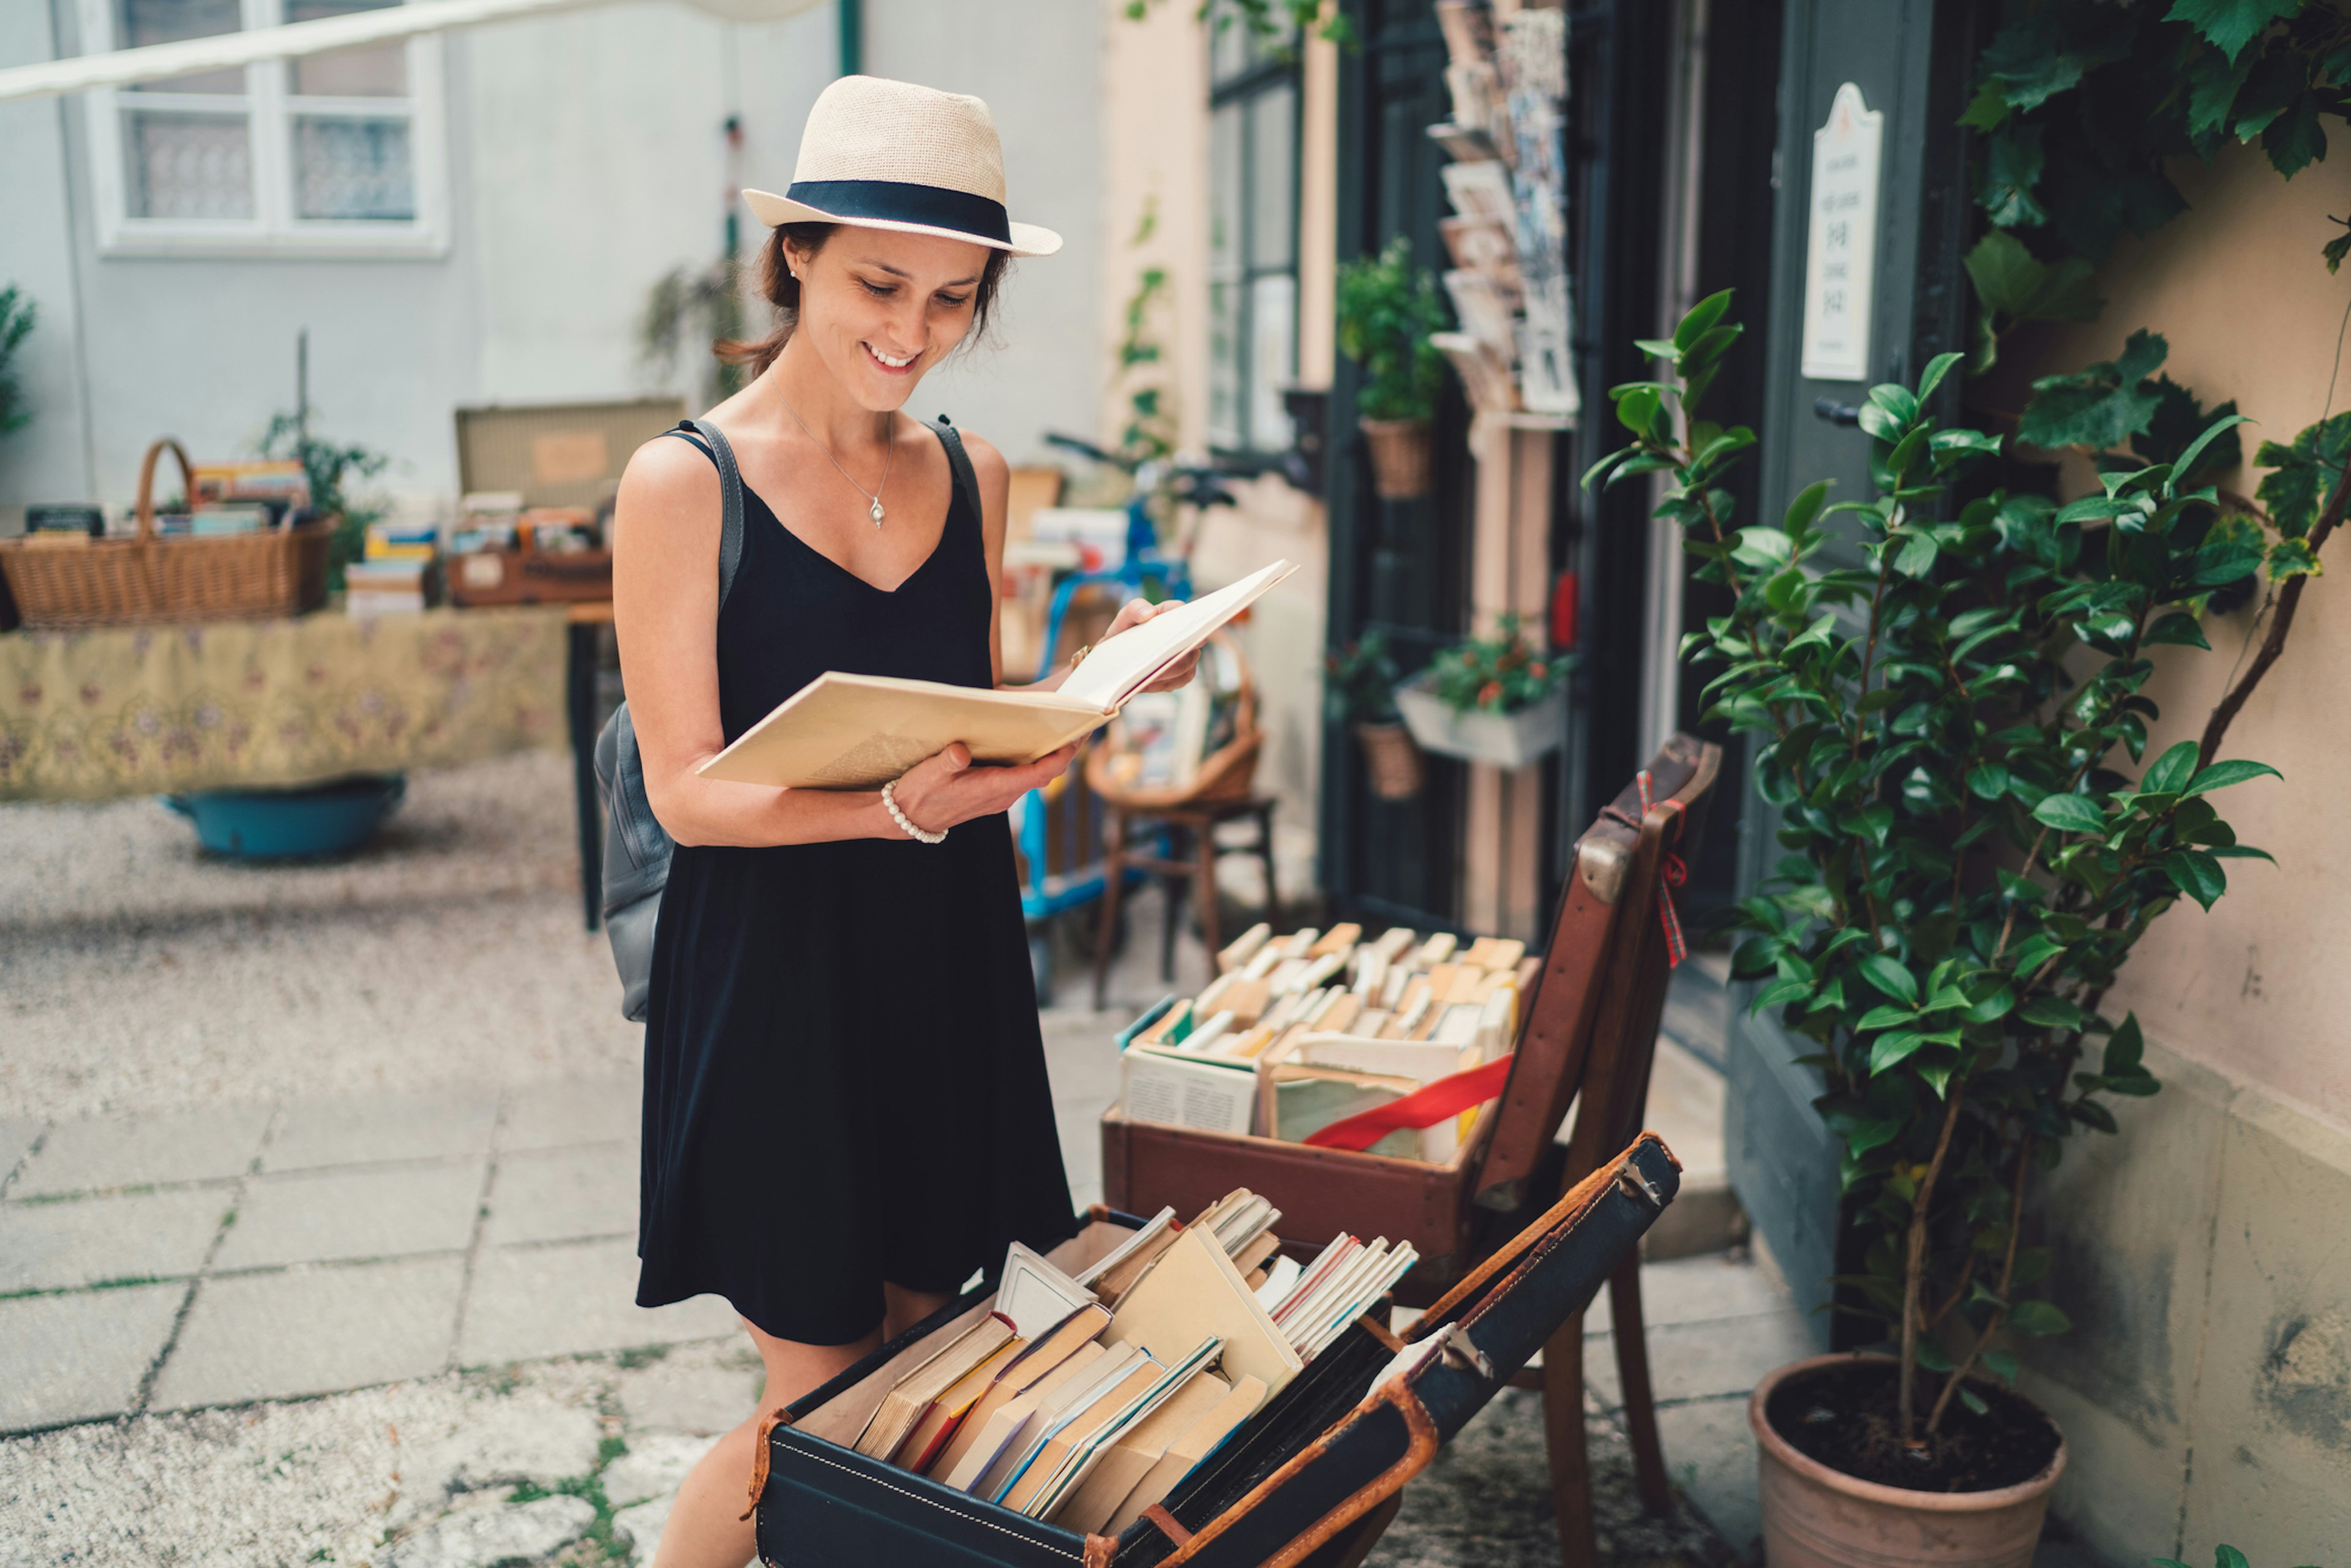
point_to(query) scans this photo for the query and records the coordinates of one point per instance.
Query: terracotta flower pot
(1403, 453)
(1394, 762)
(1816, 1517)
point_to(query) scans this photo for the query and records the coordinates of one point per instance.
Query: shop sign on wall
(1841, 254)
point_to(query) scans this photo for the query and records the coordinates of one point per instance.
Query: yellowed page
(859, 732)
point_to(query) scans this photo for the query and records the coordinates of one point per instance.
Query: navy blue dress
(844, 1081)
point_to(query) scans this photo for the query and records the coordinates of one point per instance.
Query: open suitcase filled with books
(1193, 1428)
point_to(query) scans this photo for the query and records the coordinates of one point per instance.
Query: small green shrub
(1386, 309)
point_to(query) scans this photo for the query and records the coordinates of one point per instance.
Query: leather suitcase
(1307, 1483)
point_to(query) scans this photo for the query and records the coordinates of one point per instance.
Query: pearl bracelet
(890, 804)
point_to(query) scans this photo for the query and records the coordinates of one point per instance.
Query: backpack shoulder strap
(967, 481)
(730, 496)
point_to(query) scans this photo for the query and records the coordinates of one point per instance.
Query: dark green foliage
(1359, 681)
(1272, 21)
(1386, 309)
(16, 316)
(2081, 101)
(1936, 724)
(1500, 673)
(328, 467)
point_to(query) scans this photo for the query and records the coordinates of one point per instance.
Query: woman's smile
(891, 364)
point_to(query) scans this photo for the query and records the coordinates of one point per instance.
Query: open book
(856, 732)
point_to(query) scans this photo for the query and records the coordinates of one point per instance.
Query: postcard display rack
(1310, 1478)
(1507, 239)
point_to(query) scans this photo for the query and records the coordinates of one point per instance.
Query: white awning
(157, 61)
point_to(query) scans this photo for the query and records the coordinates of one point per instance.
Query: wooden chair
(1588, 1034)
(1135, 820)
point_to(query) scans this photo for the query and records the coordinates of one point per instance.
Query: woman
(846, 1110)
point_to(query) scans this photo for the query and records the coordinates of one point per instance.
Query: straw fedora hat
(883, 154)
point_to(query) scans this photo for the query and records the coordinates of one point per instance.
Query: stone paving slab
(126, 1236)
(564, 1194)
(101, 1153)
(700, 1390)
(571, 1300)
(1698, 1289)
(573, 1111)
(271, 1336)
(70, 1358)
(1702, 1360)
(1710, 1455)
(16, 1139)
(368, 1129)
(326, 1216)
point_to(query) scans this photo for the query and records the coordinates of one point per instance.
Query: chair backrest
(1604, 977)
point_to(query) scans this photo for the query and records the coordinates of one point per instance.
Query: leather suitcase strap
(1169, 1525)
(780, 1417)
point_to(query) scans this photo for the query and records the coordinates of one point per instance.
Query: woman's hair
(782, 290)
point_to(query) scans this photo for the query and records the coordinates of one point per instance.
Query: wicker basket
(111, 582)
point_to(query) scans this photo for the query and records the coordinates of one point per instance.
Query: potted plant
(1386, 309)
(1948, 713)
(1500, 700)
(1359, 688)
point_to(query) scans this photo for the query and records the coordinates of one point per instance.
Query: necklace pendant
(877, 514)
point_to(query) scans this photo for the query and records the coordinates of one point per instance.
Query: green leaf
(2231, 770)
(2100, 407)
(2180, 628)
(2197, 875)
(1973, 1400)
(1987, 782)
(2053, 1012)
(2124, 1048)
(2230, 25)
(1778, 994)
(1804, 509)
(2011, 168)
(1657, 348)
(2070, 814)
(1918, 555)
(2185, 464)
(1638, 409)
(1885, 972)
(2292, 557)
(2001, 1364)
(2039, 1319)
(1937, 368)
(2171, 772)
(1701, 319)
(2229, 1557)
(1930, 1356)
(1892, 1048)
(2011, 280)
(1885, 1015)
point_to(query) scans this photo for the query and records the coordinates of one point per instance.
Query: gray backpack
(636, 846)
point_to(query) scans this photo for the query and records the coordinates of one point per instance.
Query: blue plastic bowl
(330, 819)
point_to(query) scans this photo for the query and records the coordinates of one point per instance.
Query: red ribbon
(1424, 1107)
(1671, 874)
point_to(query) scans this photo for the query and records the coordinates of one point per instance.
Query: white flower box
(1500, 740)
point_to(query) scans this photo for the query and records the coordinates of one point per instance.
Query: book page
(1124, 665)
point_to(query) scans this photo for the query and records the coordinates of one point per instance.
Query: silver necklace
(889, 456)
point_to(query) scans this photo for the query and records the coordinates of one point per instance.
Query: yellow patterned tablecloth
(138, 710)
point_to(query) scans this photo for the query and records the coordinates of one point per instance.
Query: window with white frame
(1252, 233)
(332, 153)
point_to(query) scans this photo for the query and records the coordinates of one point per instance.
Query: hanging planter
(1404, 456)
(1511, 739)
(1392, 759)
(1499, 700)
(1386, 309)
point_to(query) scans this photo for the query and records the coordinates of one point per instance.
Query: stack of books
(391, 580)
(1299, 1031)
(1085, 1398)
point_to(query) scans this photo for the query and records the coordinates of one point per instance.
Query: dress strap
(967, 481)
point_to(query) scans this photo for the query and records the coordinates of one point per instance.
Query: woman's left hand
(1133, 613)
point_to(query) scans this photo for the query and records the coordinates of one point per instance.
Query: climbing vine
(2082, 102)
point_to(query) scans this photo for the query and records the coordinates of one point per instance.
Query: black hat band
(893, 200)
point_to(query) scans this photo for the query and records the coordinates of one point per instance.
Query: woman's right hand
(948, 788)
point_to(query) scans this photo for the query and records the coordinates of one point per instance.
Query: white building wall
(588, 158)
